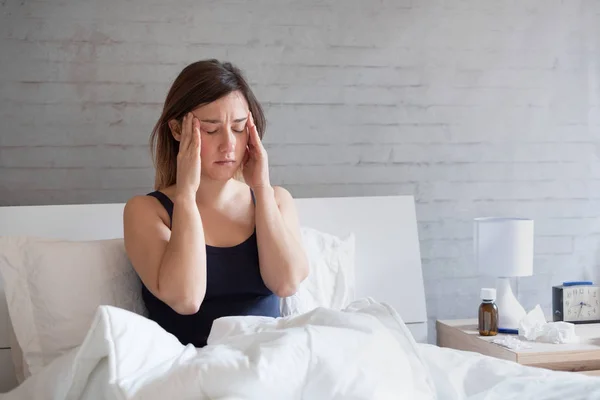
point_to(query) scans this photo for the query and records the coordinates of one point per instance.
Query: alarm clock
(576, 302)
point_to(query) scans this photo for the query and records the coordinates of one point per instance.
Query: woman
(205, 244)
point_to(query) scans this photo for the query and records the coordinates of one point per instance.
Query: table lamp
(504, 249)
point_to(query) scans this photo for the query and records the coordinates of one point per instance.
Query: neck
(213, 192)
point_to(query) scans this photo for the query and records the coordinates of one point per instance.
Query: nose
(227, 144)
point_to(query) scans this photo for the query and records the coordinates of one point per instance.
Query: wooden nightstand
(583, 357)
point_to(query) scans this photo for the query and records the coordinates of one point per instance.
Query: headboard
(388, 262)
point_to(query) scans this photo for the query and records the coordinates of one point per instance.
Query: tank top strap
(166, 202)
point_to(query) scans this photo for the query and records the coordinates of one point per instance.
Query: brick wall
(474, 107)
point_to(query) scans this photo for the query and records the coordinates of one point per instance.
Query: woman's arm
(170, 263)
(283, 262)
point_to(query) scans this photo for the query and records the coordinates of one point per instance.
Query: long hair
(197, 84)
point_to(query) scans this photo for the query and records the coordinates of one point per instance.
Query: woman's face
(223, 134)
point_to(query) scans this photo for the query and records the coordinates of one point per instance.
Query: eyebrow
(218, 121)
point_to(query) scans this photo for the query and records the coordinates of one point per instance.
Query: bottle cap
(488, 294)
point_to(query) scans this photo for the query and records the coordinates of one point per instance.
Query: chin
(218, 174)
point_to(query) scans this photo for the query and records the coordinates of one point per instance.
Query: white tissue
(535, 328)
(511, 342)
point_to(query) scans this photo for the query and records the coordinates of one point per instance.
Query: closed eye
(216, 130)
(238, 128)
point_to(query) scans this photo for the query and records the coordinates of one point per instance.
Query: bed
(374, 347)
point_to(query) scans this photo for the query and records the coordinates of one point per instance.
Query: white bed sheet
(364, 352)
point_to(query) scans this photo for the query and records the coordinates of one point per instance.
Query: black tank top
(234, 286)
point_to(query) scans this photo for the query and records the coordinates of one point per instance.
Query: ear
(175, 127)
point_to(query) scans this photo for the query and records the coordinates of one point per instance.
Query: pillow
(54, 287)
(330, 282)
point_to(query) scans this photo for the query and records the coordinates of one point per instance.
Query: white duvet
(363, 352)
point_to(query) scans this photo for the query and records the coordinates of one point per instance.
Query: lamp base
(510, 311)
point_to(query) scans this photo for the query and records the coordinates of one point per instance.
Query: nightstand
(583, 357)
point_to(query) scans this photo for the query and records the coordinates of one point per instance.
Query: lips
(225, 162)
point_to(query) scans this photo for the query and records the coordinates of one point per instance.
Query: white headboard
(388, 258)
(388, 262)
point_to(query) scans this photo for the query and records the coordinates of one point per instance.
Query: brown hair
(197, 84)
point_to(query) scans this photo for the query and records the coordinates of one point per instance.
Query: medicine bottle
(488, 313)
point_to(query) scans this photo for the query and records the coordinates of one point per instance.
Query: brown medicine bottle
(488, 313)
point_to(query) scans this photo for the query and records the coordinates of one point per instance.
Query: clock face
(581, 303)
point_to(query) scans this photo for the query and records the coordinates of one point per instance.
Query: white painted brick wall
(474, 107)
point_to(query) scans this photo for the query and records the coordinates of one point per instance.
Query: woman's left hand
(256, 164)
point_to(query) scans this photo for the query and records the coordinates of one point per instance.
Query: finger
(255, 139)
(251, 148)
(184, 139)
(246, 156)
(196, 132)
(248, 127)
(189, 128)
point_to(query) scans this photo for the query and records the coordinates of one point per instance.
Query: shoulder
(282, 196)
(141, 206)
(138, 202)
(141, 201)
(148, 202)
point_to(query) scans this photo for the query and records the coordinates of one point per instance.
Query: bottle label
(487, 321)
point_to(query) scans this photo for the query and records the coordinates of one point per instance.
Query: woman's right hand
(188, 158)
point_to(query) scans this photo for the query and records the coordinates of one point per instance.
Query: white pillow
(330, 282)
(54, 287)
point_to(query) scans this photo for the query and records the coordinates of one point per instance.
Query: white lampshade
(503, 246)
